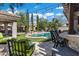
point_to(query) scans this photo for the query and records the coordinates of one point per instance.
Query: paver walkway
(44, 49)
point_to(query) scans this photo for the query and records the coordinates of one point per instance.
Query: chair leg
(66, 42)
(55, 45)
(53, 53)
(62, 44)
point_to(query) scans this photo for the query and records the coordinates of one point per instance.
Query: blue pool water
(47, 34)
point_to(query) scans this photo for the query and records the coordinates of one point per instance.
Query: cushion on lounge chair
(20, 47)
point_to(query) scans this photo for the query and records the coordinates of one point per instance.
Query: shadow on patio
(45, 49)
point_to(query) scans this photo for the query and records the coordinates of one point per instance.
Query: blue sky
(46, 10)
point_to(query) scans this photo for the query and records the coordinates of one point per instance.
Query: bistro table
(73, 40)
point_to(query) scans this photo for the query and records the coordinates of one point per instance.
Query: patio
(45, 49)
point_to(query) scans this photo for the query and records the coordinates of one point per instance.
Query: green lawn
(22, 36)
(38, 39)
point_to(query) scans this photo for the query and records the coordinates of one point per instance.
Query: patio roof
(7, 17)
(71, 11)
(67, 8)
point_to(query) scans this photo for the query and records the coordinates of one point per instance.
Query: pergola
(71, 11)
(7, 18)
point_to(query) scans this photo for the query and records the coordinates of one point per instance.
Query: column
(78, 20)
(6, 28)
(14, 29)
(76, 23)
(71, 19)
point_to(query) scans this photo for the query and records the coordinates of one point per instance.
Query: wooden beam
(66, 10)
(8, 18)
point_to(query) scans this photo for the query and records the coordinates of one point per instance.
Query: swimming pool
(46, 34)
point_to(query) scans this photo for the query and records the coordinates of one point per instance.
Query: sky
(44, 10)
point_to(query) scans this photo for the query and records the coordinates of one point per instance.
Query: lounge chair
(20, 47)
(57, 39)
(63, 40)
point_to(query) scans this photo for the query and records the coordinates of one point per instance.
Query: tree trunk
(26, 29)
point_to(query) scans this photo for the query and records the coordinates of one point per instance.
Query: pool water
(47, 35)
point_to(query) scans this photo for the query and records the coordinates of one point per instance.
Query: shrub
(2, 41)
(21, 36)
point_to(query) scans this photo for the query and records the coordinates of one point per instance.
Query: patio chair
(62, 40)
(20, 47)
(53, 38)
(57, 39)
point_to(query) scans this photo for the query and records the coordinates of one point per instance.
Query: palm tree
(56, 23)
(1, 5)
(12, 6)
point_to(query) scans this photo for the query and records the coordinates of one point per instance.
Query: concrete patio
(44, 49)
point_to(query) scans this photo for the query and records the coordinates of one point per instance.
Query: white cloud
(43, 15)
(59, 14)
(60, 7)
(49, 14)
(15, 11)
(9, 11)
(40, 15)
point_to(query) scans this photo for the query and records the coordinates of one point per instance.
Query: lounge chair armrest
(31, 46)
(61, 37)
